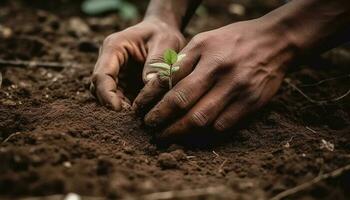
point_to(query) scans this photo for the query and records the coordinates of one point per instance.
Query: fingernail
(150, 76)
(151, 120)
(134, 106)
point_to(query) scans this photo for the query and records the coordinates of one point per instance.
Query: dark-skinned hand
(227, 73)
(145, 43)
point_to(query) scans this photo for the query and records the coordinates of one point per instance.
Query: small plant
(127, 10)
(167, 67)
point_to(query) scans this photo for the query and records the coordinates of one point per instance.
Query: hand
(227, 73)
(144, 42)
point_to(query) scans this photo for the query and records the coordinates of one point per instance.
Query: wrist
(166, 12)
(163, 20)
(282, 49)
(310, 26)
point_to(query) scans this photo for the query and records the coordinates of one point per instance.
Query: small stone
(237, 9)
(5, 32)
(67, 164)
(9, 102)
(167, 161)
(78, 26)
(179, 154)
(72, 196)
(129, 150)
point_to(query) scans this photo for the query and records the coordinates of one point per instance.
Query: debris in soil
(326, 145)
(21, 63)
(78, 27)
(179, 154)
(167, 161)
(5, 32)
(56, 139)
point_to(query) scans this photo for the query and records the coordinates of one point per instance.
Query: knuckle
(218, 59)
(108, 40)
(180, 99)
(199, 119)
(160, 82)
(242, 83)
(198, 40)
(95, 78)
(111, 41)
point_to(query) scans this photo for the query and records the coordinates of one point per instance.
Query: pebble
(167, 161)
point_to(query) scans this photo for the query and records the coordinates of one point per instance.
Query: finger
(230, 116)
(157, 87)
(155, 55)
(202, 115)
(104, 78)
(182, 97)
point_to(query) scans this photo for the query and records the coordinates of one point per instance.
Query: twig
(11, 136)
(318, 102)
(22, 63)
(216, 154)
(190, 157)
(185, 193)
(287, 144)
(314, 181)
(222, 165)
(310, 129)
(325, 80)
(61, 196)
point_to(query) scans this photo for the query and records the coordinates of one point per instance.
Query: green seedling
(167, 67)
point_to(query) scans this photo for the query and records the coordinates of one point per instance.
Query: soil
(57, 139)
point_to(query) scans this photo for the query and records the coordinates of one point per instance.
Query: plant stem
(170, 77)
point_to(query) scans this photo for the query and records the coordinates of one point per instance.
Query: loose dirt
(57, 139)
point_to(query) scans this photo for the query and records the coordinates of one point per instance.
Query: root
(318, 102)
(21, 63)
(185, 193)
(11, 136)
(325, 80)
(314, 181)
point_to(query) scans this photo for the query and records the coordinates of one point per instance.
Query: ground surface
(56, 139)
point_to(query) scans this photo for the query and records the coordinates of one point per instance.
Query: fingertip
(134, 106)
(150, 120)
(150, 76)
(114, 104)
(153, 118)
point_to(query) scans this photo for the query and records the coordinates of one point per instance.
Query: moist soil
(56, 139)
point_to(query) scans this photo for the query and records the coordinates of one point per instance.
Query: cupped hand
(227, 73)
(145, 43)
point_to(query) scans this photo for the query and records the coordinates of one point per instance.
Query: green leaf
(162, 66)
(128, 11)
(164, 73)
(170, 56)
(175, 69)
(95, 7)
(180, 57)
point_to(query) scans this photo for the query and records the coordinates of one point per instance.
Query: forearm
(173, 12)
(312, 25)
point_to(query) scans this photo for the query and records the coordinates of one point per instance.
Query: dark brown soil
(56, 139)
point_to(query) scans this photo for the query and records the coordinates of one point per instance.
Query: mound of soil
(57, 139)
